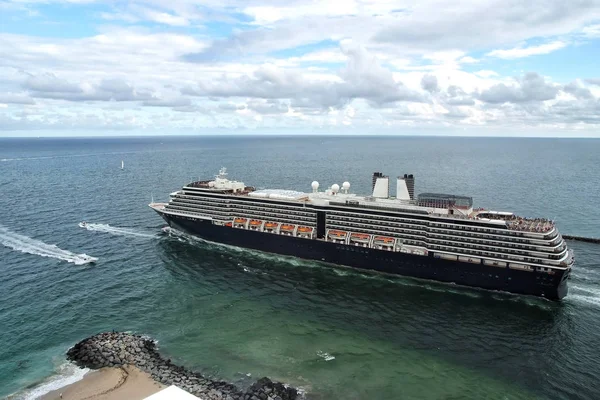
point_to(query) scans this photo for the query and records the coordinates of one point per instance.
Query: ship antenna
(222, 173)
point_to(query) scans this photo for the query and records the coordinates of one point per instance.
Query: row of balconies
(507, 232)
(493, 254)
(241, 211)
(466, 233)
(430, 240)
(541, 256)
(465, 238)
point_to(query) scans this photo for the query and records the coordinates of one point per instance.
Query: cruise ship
(430, 236)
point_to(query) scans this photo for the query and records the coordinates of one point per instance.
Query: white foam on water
(66, 156)
(66, 374)
(587, 273)
(28, 245)
(325, 356)
(595, 301)
(585, 294)
(115, 230)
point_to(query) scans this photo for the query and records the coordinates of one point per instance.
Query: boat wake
(585, 294)
(182, 236)
(325, 356)
(28, 245)
(114, 230)
(66, 156)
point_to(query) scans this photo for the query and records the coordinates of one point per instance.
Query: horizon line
(345, 135)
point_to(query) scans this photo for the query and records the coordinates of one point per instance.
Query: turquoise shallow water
(337, 333)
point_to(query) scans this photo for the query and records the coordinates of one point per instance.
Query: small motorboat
(83, 224)
(85, 259)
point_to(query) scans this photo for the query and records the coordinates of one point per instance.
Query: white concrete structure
(172, 393)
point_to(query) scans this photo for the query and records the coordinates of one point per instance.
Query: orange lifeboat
(360, 236)
(338, 234)
(384, 239)
(229, 224)
(287, 227)
(255, 222)
(240, 220)
(304, 229)
(271, 225)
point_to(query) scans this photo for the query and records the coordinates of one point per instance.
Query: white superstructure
(445, 226)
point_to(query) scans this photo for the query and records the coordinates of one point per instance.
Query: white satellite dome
(315, 186)
(346, 186)
(335, 188)
(211, 184)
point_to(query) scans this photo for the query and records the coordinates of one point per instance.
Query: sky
(427, 67)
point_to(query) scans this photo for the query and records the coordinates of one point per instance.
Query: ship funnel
(405, 187)
(402, 189)
(381, 186)
(410, 184)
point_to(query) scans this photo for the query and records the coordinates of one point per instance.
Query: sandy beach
(109, 384)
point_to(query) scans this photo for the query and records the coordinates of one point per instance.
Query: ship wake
(586, 294)
(114, 230)
(28, 245)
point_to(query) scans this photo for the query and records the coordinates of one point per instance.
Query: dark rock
(117, 349)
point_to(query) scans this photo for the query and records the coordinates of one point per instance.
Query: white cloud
(16, 98)
(166, 18)
(168, 102)
(474, 24)
(363, 77)
(592, 31)
(530, 88)
(361, 64)
(521, 52)
(50, 86)
(486, 73)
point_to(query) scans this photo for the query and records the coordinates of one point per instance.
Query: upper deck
(435, 205)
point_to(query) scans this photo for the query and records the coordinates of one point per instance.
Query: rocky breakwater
(117, 349)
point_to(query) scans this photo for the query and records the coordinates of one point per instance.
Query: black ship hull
(535, 283)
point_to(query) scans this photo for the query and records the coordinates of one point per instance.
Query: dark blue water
(229, 312)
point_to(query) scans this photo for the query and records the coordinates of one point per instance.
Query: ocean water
(334, 332)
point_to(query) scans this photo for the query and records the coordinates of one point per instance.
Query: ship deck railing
(513, 222)
(540, 225)
(199, 184)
